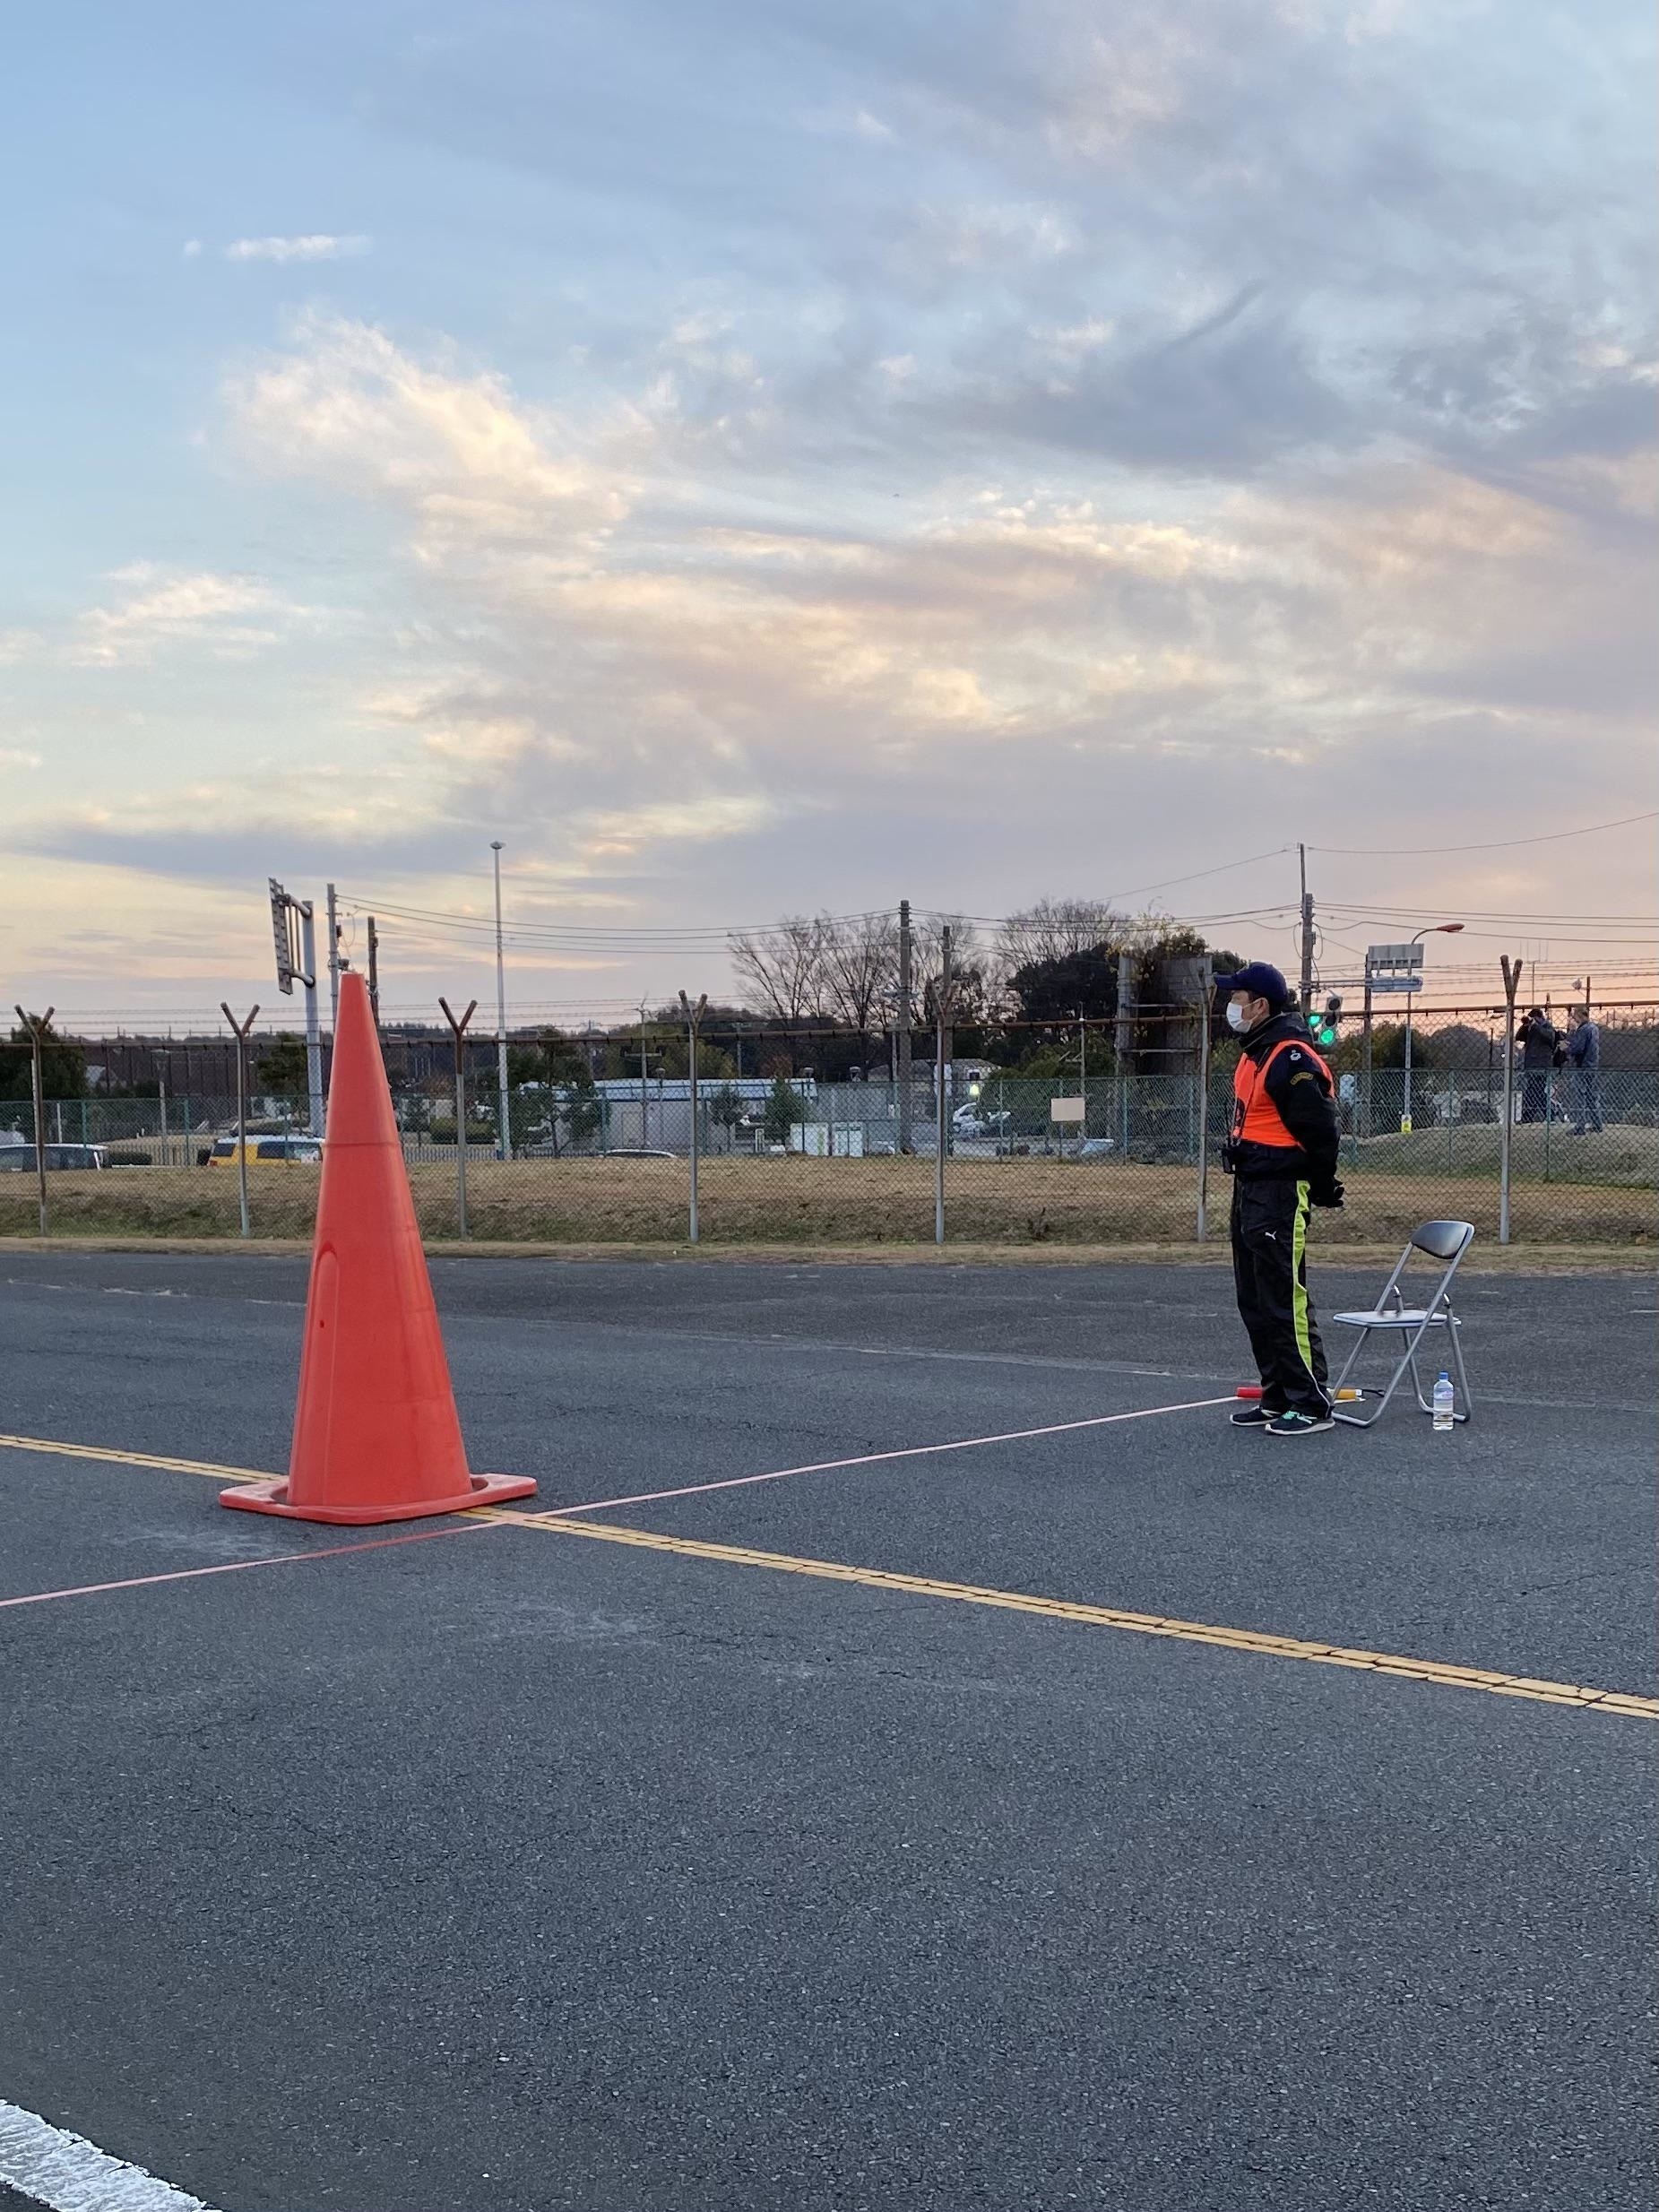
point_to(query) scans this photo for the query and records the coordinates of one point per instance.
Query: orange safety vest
(1256, 1119)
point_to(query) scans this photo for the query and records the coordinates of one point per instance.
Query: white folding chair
(1439, 1240)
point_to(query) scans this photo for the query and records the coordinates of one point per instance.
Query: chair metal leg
(1364, 1338)
(1424, 1405)
(1408, 1363)
(1465, 1395)
(1353, 1420)
(1455, 1361)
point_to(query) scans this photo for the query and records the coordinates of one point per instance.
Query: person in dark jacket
(1281, 1155)
(1584, 1053)
(1539, 1040)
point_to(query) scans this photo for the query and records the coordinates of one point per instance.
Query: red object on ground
(377, 1437)
(1249, 1390)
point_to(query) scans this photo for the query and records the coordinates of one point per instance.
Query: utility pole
(504, 1143)
(37, 1029)
(1365, 1052)
(902, 1020)
(374, 970)
(333, 961)
(1307, 975)
(240, 1029)
(458, 1029)
(1123, 1044)
(644, 1084)
(551, 1041)
(942, 1011)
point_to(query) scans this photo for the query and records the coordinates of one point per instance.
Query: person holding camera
(1542, 1054)
(1282, 1154)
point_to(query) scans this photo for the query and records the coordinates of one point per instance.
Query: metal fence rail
(825, 1166)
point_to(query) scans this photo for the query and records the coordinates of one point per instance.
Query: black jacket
(1538, 1041)
(1302, 1094)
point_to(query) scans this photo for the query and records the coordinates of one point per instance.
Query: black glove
(1326, 1193)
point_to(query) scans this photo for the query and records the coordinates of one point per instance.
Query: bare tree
(785, 966)
(1057, 930)
(860, 958)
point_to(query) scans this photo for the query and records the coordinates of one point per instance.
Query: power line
(644, 932)
(1470, 913)
(1496, 844)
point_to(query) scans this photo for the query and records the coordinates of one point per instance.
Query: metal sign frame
(287, 913)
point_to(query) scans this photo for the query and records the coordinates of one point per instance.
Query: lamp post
(1444, 928)
(503, 1147)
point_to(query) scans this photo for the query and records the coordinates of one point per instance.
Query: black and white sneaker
(1251, 1417)
(1299, 1424)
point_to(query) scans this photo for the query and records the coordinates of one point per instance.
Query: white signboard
(1066, 1110)
(1396, 982)
(1393, 957)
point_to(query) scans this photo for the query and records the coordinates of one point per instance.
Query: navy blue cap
(1262, 980)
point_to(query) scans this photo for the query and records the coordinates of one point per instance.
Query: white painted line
(71, 2174)
(874, 1460)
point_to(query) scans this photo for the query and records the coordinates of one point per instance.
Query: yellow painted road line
(1543, 1692)
(134, 1459)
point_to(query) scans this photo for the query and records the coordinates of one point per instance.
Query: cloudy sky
(762, 454)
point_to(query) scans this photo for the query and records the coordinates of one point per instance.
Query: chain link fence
(785, 1159)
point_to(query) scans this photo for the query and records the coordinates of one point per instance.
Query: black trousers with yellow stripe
(1270, 1276)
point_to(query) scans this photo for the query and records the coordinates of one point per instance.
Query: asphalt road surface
(504, 1869)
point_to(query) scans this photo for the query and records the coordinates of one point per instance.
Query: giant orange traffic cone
(375, 1433)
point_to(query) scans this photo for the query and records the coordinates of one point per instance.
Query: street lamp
(1443, 929)
(502, 1145)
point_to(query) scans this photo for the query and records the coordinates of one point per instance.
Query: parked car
(307, 1150)
(21, 1157)
(970, 1122)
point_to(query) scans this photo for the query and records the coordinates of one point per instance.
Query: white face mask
(1235, 1017)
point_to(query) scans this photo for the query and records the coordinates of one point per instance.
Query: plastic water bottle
(1443, 1405)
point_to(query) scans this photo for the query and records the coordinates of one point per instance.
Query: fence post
(904, 1139)
(694, 1016)
(942, 1117)
(35, 1027)
(1511, 984)
(1548, 1119)
(1204, 1116)
(240, 1030)
(459, 1030)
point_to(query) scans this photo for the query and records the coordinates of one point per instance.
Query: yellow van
(307, 1150)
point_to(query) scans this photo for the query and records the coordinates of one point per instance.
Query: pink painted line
(872, 1459)
(237, 1566)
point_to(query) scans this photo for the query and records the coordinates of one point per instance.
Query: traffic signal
(1325, 1023)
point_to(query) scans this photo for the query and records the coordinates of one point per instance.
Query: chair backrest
(1443, 1240)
